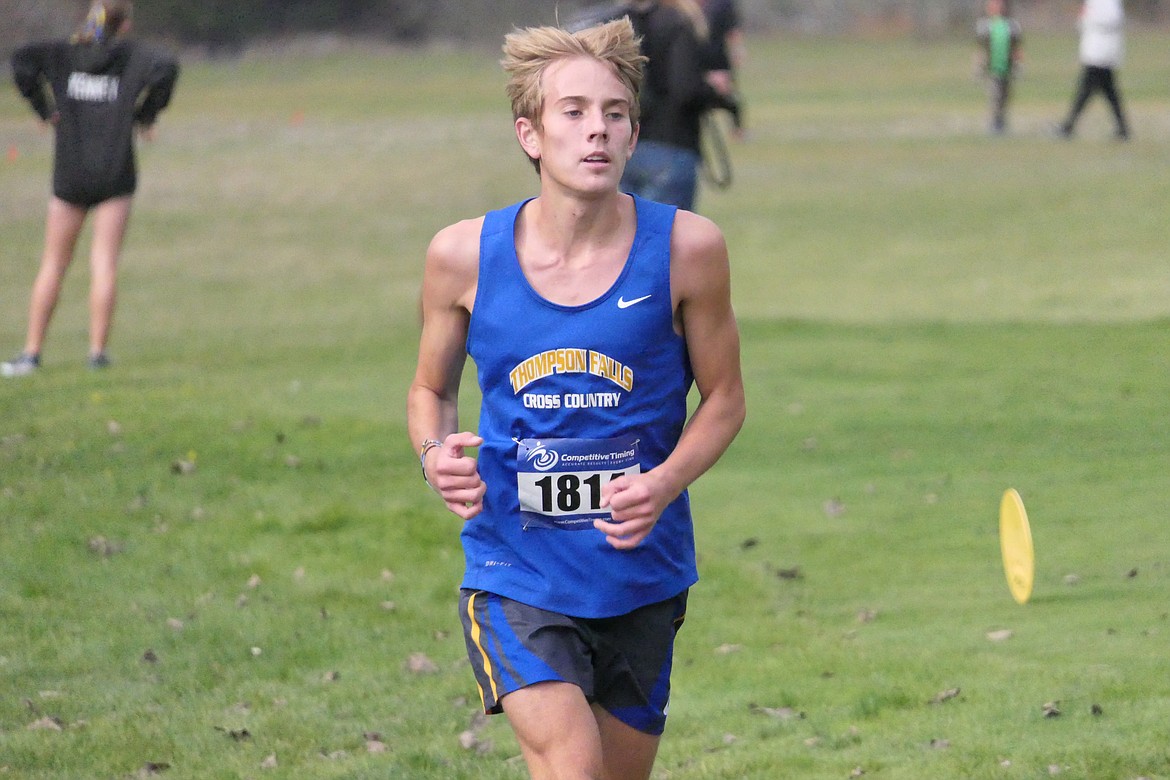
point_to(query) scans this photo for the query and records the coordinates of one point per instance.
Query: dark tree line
(231, 24)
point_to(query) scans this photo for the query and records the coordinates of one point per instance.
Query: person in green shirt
(999, 47)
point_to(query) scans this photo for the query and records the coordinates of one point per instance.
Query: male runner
(589, 314)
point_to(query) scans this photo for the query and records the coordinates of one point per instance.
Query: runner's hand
(455, 475)
(636, 502)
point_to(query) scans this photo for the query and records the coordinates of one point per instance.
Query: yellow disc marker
(1015, 542)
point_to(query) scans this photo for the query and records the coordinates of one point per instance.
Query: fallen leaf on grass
(1001, 635)
(237, 735)
(469, 738)
(857, 772)
(103, 547)
(946, 695)
(727, 741)
(152, 768)
(183, 467)
(727, 649)
(269, 763)
(419, 663)
(47, 723)
(866, 616)
(779, 713)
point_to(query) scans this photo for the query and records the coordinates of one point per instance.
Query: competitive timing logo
(542, 458)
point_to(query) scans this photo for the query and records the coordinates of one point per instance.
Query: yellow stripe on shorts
(476, 633)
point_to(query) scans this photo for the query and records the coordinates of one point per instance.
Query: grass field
(217, 559)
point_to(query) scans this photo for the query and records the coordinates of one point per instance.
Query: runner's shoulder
(456, 245)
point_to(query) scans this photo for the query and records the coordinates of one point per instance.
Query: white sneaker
(22, 365)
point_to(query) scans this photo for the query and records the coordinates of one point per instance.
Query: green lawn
(217, 559)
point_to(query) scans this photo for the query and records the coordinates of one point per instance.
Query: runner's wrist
(427, 446)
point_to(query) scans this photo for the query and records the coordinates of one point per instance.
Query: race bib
(560, 480)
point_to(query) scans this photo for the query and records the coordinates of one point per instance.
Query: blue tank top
(573, 396)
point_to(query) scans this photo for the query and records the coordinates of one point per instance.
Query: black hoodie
(97, 92)
(675, 93)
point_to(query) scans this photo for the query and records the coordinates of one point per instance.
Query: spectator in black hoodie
(94, 89)
(677, 90)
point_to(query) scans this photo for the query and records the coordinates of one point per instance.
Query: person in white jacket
(1102, 27)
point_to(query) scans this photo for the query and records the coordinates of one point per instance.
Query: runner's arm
(701, 281)
(432, 409)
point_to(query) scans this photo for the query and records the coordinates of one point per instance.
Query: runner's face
(586, 136)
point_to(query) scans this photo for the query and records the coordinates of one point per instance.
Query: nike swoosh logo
(624, 304)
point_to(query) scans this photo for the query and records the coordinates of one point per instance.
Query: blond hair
(104, 21)
(528, 54)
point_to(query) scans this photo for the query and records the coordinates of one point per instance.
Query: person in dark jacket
(94, 89)
(677, 91)
(725, 54)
